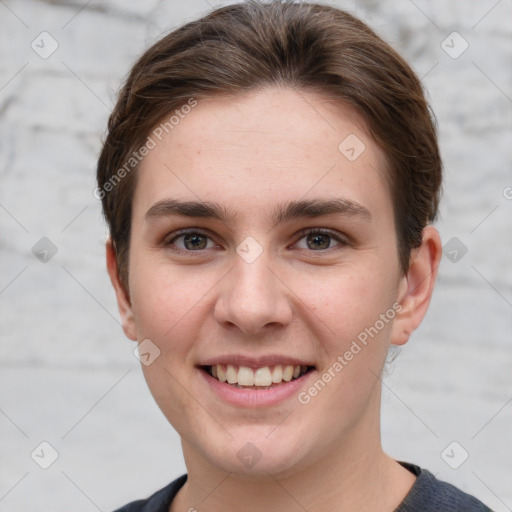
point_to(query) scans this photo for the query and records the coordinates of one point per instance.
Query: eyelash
(303, 233)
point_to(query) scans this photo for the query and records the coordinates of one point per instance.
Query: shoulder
(428, 494)
(157, 502)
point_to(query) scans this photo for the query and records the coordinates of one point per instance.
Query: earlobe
(122, 296)
(417, 286)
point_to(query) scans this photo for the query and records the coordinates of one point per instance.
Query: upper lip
(255, 362)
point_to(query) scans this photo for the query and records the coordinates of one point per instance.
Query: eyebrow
(282, 213)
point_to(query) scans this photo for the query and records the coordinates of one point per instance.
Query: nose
(253, 298)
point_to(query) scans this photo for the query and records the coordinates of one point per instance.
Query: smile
(262, 378)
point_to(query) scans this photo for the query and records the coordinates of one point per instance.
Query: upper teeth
(265, 376)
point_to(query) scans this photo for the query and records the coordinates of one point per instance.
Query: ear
(416, 288)
(123, 298)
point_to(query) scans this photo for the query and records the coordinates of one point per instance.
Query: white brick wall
(68, 375)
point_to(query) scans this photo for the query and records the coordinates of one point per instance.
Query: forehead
(265, 147)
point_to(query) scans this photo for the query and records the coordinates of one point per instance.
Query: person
(270, 178)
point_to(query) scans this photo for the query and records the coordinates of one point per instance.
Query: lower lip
(255, 397)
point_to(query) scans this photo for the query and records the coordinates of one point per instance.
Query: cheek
(338, 303)
(165, 296)
(346, 318)
(343, 302)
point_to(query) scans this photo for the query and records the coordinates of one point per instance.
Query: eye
(321, 239)
(192, 240)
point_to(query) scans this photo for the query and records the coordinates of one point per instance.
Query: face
(287, 271)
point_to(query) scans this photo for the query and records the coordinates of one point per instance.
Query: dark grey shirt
(428, 494)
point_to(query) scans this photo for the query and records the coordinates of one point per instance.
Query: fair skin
(304, 298)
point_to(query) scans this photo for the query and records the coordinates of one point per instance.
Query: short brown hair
(250, 45)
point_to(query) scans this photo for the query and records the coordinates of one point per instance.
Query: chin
(258, 452)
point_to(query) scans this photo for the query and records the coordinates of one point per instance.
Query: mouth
(265, 377)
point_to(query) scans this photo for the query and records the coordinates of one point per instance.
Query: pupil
(316, 238)
(195, 239)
